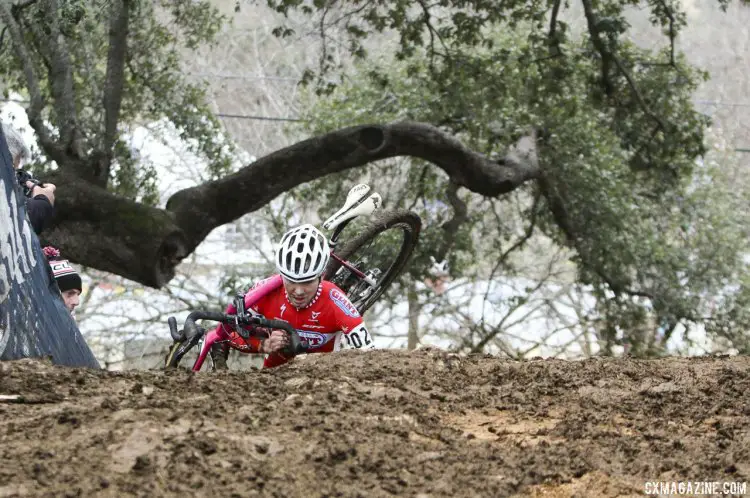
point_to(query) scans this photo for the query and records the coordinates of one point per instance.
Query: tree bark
(34, 111)
(412, 338)
(61, 78)
(111, 233)
(96, 228)
(201, 209)
(115, 81)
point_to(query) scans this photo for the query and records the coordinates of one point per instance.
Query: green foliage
(656, 232)
(155, 86)
(158, 88)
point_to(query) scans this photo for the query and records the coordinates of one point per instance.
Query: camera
(24, 177)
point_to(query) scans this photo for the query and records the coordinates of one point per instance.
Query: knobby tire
(408, 222)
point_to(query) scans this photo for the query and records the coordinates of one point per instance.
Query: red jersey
(320, 324)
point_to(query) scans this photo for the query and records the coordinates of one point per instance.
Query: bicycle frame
(332, 243)
(352, 269)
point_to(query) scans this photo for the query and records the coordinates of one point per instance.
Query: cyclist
(318, 309)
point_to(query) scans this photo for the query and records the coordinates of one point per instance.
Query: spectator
(41, 200)
(68, 280)
(438, 275)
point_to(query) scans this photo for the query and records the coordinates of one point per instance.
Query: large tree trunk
(98, 229)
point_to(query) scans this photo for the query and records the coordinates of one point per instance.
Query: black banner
(33, 319)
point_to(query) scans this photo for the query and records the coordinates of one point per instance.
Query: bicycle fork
(216, 335)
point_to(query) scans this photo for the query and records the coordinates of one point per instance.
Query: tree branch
(348, 15)
(553, 28)
(638, 97)
(487, 336)
(20, 6)
(450, 227)
(112, 233)
(562, 220)
(672, 32)
(61, 81)
(434, 33)
(608, 57)
(596, 39)
(324, 46)
(146, 243)
(198, 210)
(36, 102)
(114, 81)
(521, 240)
(419, 194)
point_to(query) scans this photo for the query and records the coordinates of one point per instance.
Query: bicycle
(363, 277)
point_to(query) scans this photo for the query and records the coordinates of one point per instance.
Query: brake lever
(239, 310)
(245, 334)
(240, 316)
(296, 345)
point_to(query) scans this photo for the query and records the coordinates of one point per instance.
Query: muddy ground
(381, 423)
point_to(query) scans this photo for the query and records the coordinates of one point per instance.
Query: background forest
(625, 232)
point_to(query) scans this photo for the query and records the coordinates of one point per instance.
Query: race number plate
(358, 338)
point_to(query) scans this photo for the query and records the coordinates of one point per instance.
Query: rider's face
(301, 293)
(71, 298)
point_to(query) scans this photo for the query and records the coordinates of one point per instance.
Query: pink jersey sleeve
(258, 291)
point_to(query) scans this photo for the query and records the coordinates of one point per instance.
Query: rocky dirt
(380, 423)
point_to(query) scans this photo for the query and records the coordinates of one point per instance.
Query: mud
(381, 423)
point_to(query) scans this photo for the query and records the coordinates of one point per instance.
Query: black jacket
(40, 212)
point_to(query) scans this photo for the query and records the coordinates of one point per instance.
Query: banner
(33, 319)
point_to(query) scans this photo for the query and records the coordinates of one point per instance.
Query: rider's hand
(48, 191)
(277, 341)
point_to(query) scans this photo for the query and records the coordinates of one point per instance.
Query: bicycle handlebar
(192, 331)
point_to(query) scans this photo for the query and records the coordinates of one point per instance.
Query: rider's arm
(250, 345)
(276, 340)
(252, 300)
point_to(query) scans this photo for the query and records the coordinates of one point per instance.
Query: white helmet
(302, 254)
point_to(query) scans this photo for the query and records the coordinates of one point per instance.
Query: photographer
(40, 197)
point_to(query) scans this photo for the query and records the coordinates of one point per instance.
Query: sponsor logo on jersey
(312, 326)
(283, 309)
(315, 315)
(340, 300)
(313, 339)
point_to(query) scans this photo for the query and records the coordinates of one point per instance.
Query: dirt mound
(425, 423)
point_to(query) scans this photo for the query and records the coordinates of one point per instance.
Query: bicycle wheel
(368, 252)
